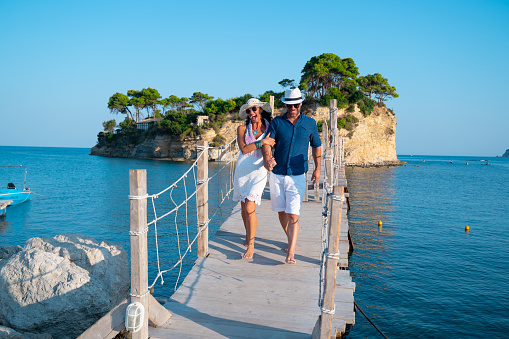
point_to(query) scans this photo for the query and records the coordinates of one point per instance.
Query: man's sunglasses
(294, 105)
(254, 109)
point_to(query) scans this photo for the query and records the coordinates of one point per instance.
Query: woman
(250, 175)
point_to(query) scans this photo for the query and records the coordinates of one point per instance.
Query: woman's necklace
(255, 131)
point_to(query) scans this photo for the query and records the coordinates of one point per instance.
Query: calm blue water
(421, 275)
(79, 193)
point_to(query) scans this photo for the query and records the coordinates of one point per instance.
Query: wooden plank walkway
(226, 296)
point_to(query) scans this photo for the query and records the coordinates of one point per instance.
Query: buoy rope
(371, 322)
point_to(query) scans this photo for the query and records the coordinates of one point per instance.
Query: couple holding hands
(290, 135)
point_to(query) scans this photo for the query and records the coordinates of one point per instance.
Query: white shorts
(287, 192)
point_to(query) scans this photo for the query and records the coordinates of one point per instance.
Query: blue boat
(17, 195)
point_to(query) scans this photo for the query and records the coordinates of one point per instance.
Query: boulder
(9, 333)
(62, 285)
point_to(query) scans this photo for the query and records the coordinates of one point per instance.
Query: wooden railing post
(329, 169)
(307, 175)
(202, 199)
(335, 207)
(325, 146)
(333, 110)
(139, 258)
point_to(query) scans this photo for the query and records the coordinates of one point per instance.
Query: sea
(418, 275)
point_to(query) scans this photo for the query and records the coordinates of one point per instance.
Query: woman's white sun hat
(251, 103)
(292, 96)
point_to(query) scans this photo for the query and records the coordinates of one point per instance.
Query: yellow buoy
(467, 228)
(380, 223)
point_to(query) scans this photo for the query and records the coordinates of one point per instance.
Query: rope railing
(179, 206)
(332, 204)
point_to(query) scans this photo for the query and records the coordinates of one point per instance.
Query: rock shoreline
(372, 142)
(58, 287)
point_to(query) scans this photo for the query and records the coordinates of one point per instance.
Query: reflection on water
(421, 275)
(4, 225)
(371, 193)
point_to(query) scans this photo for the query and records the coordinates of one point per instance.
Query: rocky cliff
(506, 154)
(166, 147)
(370, 142)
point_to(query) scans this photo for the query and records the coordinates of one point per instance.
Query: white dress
(250, 176)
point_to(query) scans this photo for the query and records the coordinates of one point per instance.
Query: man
(293, 132)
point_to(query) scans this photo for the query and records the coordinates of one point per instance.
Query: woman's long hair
(265, 116)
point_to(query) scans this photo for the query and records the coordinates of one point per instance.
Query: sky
(60, 61)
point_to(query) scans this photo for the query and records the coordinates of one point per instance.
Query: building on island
(202, 120)
(145, 124)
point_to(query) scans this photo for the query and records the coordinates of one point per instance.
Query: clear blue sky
(60, 61)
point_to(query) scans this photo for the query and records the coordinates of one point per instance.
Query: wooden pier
(227, 296)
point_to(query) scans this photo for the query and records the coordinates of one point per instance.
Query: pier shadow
(226, 327)
(233, 248)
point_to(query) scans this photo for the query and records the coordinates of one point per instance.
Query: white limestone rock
(62, 285)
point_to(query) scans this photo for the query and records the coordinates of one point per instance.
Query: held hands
(269, 164)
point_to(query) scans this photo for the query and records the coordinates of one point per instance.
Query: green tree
(325, 71)
(119, 103)
(377, 85)
(151, 99)
(199, 99)
(109, 125)
(287, 83)
(182, 104)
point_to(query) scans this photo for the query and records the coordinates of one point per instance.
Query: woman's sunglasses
(254, 109)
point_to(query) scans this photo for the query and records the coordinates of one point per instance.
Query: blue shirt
(292, 143)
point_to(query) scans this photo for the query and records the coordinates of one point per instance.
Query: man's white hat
(292, 96)
(251, 103)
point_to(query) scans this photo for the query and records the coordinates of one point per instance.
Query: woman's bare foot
(249, 252)
(286, 250)
(246, 243)
(290, 260)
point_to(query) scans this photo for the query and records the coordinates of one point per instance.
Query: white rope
(338, 197)
(332, 255)
(140, 295)
(157, 244)
(137, 197)
(329, 311)
(143, 231)
(203, 226)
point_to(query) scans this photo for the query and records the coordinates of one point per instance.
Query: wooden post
(329, 169)
(202, 199)
(272, 104)
(337, 158)
(335, 206)
(333, 119)
(139, 258)
(306, 178)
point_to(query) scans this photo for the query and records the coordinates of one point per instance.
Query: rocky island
(370, 142)
(174, 125)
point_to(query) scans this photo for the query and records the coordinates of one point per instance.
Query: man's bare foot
(249, 252)
(290, 260)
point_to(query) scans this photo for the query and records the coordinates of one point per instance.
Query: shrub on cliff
(366, 106)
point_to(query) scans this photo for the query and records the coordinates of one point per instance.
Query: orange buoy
(467, 228)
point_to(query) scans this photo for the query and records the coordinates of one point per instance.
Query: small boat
(3, 206)
(17, 195)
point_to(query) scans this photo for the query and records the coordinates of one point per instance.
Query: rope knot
(137, 197)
